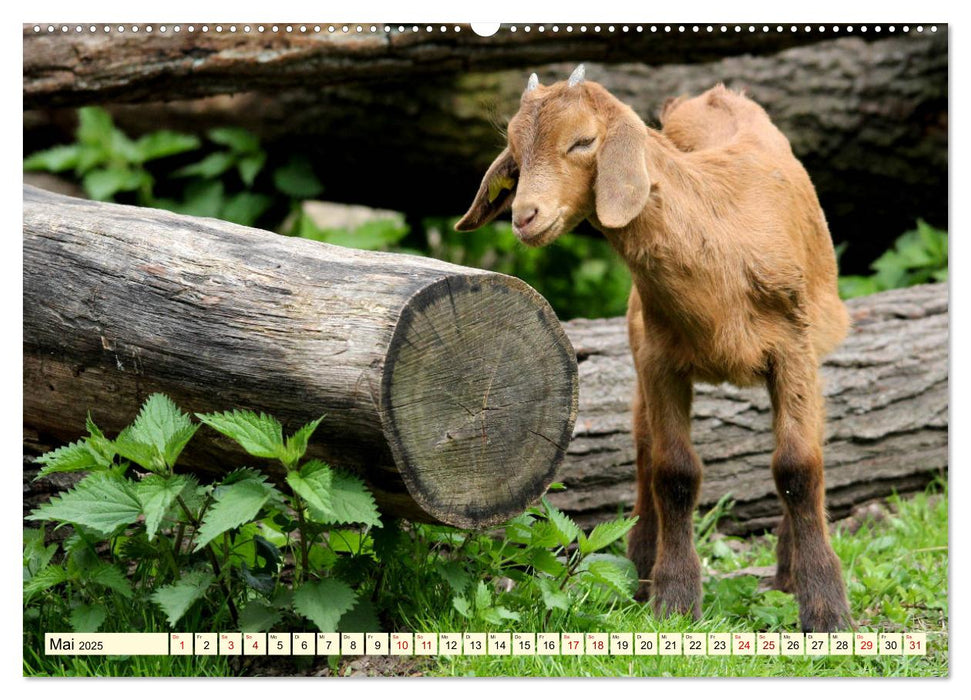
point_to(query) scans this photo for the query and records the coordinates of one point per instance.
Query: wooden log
(886, 391)
(72, 68)
(452, 391)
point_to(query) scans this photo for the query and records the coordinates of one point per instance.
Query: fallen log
(452, 391)
(76, 68)
(886, 393)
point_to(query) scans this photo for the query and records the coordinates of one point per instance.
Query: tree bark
(867, 118)
(72, 68)
(886, 392)
(452, 391)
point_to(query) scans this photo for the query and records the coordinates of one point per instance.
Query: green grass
(896, 574)
(895, 569)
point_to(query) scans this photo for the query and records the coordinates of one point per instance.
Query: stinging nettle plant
(238, 550)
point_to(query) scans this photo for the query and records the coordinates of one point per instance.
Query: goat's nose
(522, 219)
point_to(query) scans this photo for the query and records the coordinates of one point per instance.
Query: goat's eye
(582, 144)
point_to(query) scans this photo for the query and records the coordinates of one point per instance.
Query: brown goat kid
(734, 281)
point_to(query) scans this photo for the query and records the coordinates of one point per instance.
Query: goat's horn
(578, 75)
(532, 83)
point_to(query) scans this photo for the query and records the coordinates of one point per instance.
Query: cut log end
(479, 398)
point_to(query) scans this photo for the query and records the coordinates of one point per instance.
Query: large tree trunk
(453, 391)
(867, 118)
(886, 393)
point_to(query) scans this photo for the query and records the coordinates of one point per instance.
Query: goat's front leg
(813, 569)
(676, 481)
(642, 543)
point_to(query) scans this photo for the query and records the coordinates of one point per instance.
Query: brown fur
(734, 281)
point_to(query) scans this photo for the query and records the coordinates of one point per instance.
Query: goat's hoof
(827, 613)
(826, 621)
(677, 595)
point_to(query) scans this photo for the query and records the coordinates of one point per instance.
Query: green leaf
(94, 126)
(245, 208)
(519, 529)
(545, 561)
(616, 573)
(110, 577)
(236, 138)
(250, 166)
(138, 452)
(553, 597)
(163, 425)
(103, 184)
(361, 618)
(373, 235)
(157, 494)
(851, 286)
(91, 427)
(257, 616)
(297, 179)
(297, 443)
(233, 505)
(455, 575)
(605, 534)
(498, 615)
(45, 579)
(70, 458)
(88, 618)
(202, 198)
(157, 437)
(100, 501)
(564, 528)
(350, 502)
(176, 599)
(36, 555)
(462, 606)
(90, 157)
(54, 160)
(313, 484)
(260, 435)
(324, 602)
(483, 596)
(210, 167)
(160, 144)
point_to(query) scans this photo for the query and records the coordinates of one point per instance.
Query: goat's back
(728, 127)
(718, 117)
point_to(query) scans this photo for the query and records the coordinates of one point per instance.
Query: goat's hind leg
(783, 551)
(814, 573)
(642, 543)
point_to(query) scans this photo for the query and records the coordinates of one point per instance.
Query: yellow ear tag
(498, 184)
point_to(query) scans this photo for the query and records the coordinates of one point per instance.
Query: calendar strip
(774, 644)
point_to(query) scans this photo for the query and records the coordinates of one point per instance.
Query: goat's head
(574, 151)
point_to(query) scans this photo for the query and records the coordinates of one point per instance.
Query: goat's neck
(669, 238)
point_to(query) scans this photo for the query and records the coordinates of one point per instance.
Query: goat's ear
(623, 184)
(495, 193)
